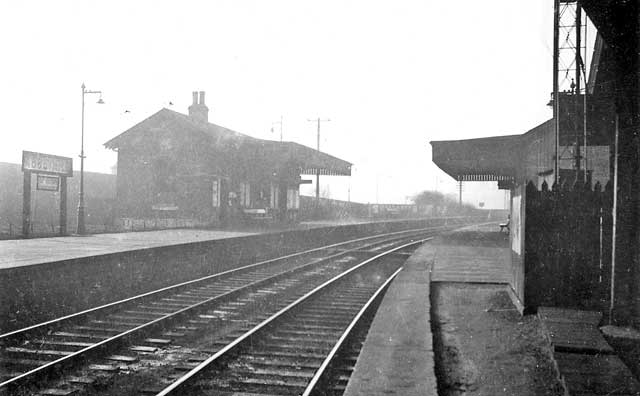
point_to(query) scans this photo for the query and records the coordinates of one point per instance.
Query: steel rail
(165, 319)
(85, 312)
(327, 361)
(77, 315)
(182, 381)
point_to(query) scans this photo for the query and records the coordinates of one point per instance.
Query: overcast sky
(391, 75)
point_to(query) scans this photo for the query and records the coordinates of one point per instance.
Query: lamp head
(100, 101)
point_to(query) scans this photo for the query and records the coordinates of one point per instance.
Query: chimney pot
(199, 111)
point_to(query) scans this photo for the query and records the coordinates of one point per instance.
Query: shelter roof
(308, 160)
(272, 153)
(496, 158)
(617, 21)
(485, 159)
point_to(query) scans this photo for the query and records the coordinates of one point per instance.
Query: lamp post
(81, 230)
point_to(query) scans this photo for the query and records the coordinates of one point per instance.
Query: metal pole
(318, 169)
(556, 27)
(600, 246)
(280, 128)
(578, 158)
(81, 226)
(63, 205)
(318, 120)
(460, 195)
(81, 208)
(26, 204)
(584, 103)
(614, 212)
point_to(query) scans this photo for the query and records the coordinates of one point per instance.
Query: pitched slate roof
(276, 154)
(169, 120)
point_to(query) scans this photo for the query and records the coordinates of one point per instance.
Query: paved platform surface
(23, 252)
(397, 357)
(586, 361)
(478, 254)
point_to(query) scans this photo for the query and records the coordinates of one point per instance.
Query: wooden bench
(504, 226)
(257, 214)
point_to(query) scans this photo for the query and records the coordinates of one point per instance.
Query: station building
(183, 166)
(527, 162)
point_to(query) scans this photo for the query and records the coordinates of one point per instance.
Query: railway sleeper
(316, 326)
(82, 336)
(302, 340)
(60, 391)
(286, 363)
(146, 313)
(116, 324)
(172, 304)
(284, 374)
(41, 354)
(273, 346)
(289, 386)
(156, 309)
(332, 333)
(278, 353)
(63, 345)
(18, 364)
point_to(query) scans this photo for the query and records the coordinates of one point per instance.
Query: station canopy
(260, 152)
(308, 160)
(484, 159)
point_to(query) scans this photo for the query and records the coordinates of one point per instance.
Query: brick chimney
(198, 110)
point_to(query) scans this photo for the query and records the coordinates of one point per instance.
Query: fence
(101, 216)
(330, 209)
(568, 246)
(327, 209)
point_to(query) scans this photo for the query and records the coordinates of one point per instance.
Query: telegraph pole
(578, 158)
(556, 99)
(277, 122)
(318, 120)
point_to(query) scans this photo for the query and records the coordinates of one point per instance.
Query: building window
(275, 191)
(293, 198)
(164, 179)
(245, 195)
(215, 193)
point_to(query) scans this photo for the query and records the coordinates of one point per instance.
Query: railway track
(141, 324)
(303, 348)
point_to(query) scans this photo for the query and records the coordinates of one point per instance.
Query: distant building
(183, 166)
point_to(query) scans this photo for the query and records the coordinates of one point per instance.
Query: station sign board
(47, 183)
(47, 163)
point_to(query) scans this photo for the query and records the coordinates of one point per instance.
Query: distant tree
(434, 198)
(443, 204)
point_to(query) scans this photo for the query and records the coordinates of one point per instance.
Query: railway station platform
(25, 252)
(44, 278)
(455, 286)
